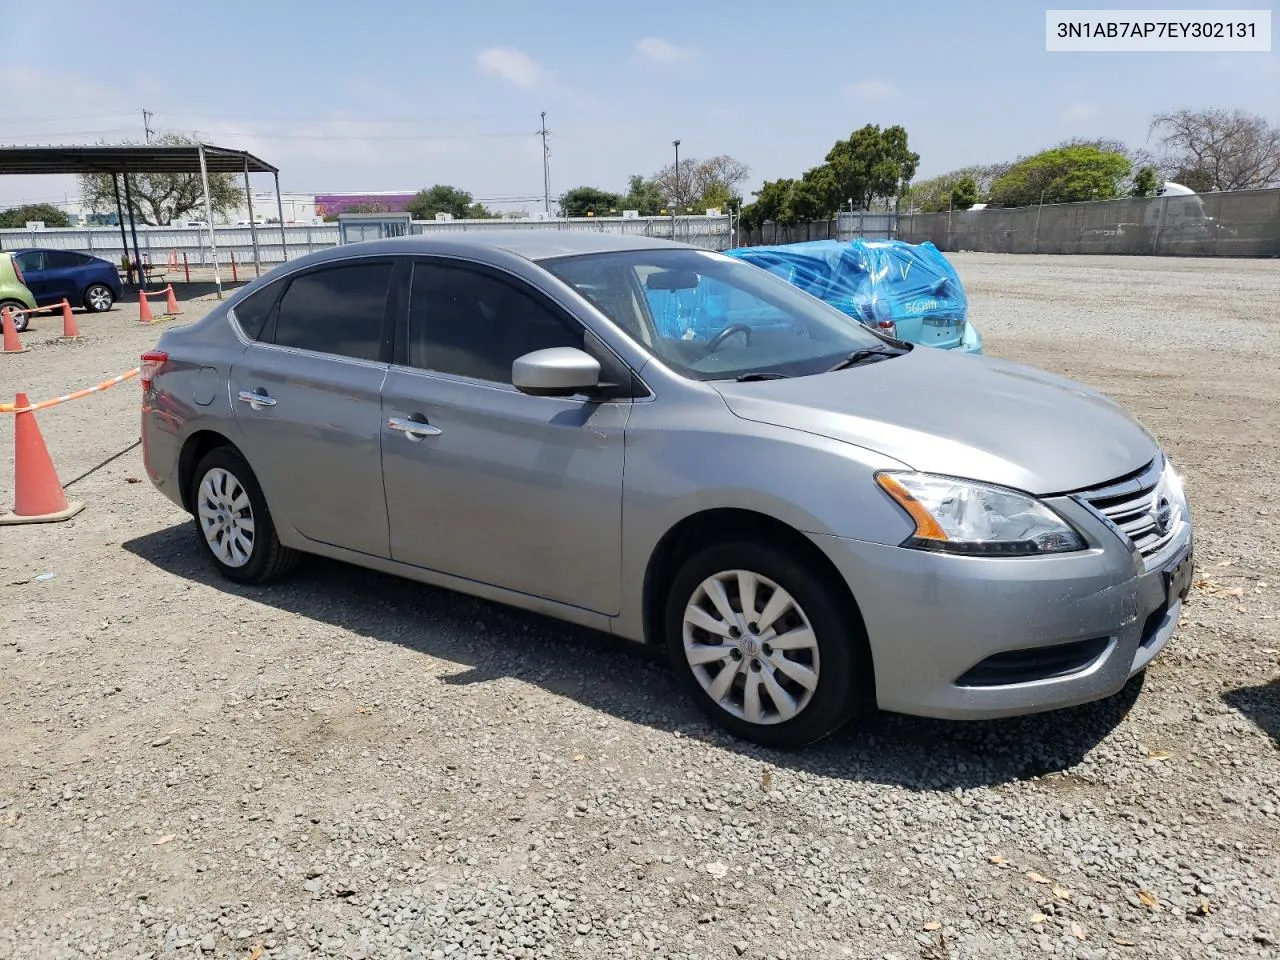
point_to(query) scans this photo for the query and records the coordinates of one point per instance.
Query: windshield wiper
(866, 353)
(759, 375)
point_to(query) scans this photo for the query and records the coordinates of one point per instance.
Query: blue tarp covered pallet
(910, 290)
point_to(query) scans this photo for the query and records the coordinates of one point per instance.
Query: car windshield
(711, 317)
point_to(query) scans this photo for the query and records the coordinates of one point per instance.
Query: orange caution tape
(105, 384)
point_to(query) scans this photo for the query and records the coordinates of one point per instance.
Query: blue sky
(381, 96)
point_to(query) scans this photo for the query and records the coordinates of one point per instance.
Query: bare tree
(718, 177)
(162, 198)
(1231, 149)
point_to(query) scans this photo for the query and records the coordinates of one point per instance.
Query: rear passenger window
(61, 260)
(338, 310)
(251, 312)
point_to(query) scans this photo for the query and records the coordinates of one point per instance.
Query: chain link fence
(1243, 223)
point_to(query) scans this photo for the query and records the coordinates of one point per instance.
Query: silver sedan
(679, 448)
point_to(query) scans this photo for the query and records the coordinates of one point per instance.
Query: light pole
(675, 201)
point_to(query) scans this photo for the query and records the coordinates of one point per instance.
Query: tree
(162, 198)
(873, 164)
(1234, 149)
(373, 207)
(1196, 178)
(440, 199)
(1145, 182)
(17, 217)
(717, 177)
(589, 201)
(644, 195)
(1062, 175)
(964, 194)
(773, 202)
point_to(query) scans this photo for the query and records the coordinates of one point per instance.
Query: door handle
(256, 400)
(413, 430)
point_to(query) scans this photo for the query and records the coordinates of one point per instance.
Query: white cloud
(1081, 111)
(511, 64)
(871, 89)
(663, 51)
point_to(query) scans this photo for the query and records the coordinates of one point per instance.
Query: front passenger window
(472, 324)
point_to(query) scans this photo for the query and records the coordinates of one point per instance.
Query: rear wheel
(19, 313)
(98, 297)
(769, 650)
(233, 522)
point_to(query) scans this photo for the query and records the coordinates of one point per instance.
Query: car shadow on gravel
(1261, 704)
(635, 683)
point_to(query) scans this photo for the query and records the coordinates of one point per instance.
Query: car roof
(54, 250)
(535, 244)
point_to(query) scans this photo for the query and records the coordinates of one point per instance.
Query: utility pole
(146, 123)
(675, 201)
(546, 168)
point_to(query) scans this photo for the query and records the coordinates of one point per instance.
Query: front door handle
(413, 430)
(256, 401)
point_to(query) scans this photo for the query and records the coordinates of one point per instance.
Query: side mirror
(555, 372)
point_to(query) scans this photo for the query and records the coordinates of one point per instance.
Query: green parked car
(14, 293)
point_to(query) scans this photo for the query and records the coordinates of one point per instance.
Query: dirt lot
(351, 765)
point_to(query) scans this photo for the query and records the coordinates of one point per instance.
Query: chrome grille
(1132, 505)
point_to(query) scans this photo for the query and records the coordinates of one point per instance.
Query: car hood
(960, 415)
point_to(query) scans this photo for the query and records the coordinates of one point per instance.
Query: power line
(45, 118)
(332, 119)
(146, 123)
(367, 136)
(69, 133)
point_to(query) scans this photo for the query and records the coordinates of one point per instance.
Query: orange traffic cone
(37, 493)
(11, 342)
(171, 304)
(70, 331)
(144, 308)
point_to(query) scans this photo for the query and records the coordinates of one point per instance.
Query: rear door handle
(256, 401)
(413, 430)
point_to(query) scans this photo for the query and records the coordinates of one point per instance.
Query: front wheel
(19, 314)
(98, 297)
(769, 647)
(233, 522)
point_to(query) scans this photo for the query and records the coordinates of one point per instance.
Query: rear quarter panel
(189, 396)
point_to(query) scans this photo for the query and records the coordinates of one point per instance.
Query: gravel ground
(351, 765)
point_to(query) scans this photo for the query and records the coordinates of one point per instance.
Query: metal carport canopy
(195, 158)
(129, 159)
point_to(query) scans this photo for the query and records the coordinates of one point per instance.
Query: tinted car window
(472, 324)
(61, 259)
(338, 310)
(252, 311)
(31, 261)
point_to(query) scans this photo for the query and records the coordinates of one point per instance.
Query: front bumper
(937, 623)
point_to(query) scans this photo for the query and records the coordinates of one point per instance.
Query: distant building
(332, 204)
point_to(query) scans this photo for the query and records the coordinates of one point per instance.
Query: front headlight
(1175, 488)
(961, 516)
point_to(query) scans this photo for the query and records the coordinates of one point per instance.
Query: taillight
(153, 362)
(888, 328)
(18, 272)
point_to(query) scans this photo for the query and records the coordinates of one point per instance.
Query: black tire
(101, 294)
(21, 319)
(844, 683)
(267, 558)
